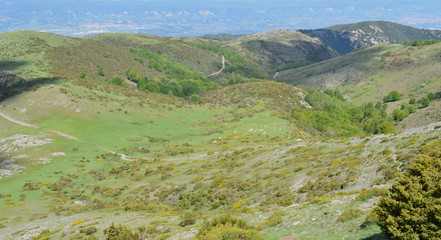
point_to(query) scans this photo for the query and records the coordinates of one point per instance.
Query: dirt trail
(221, 70)
(67, 136)
(18, 122)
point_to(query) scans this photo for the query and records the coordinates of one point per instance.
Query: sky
(196, 17)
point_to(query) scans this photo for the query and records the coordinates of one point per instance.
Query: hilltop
(279, 48)
(347, 37)
(369, 74)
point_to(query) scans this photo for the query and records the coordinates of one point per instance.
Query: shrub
(431, 96)
(227, 228)
(89, 231)
(372, 218)
(349, 214)
(195, 98)
(385, 127)
(82, 75)
(119, 232)
(366, 194)
(426, 102)
(412, 208)
(399, 115)
(392, 97)
(117, 81)
(101, 71)
(224, 232)
(274, 220)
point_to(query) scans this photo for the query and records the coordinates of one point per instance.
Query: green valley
(264, 136)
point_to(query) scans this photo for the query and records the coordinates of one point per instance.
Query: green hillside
(369, 75)
(197, 59)
(132, 136)
(166, 160)
(279, 48)
(345, 38)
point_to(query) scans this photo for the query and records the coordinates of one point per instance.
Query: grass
(250, 172)
(237, 153)
(197, 59)
(368, 75)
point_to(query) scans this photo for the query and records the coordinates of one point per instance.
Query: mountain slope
(279, 48)
(78, 155)
(36, 54)
(370, 74)
(200, 60)
(345, 38)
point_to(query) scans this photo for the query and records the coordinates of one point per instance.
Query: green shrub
(227, 228)
(89, 230)
(224, 232)
(385, 127)
(117, 81)
(119, 232)
(82, 75)
(274, 220)
(426, 102)
(195, 98)
(392, 97)
(366, 194)
(423, 42)
(372, 218)
(399, 115)
(349, 214)
(101, 71)
(412, 208)
(431, 96)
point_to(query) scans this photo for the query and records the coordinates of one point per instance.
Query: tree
(412, 101)
(426, 102)
(385, 127)
(399, 115)
(101, 71)
(132, 75)
(392, 97)
(378, 105)
(412, 210)
(411, 108)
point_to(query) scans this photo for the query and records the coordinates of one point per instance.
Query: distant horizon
(187, 18)
(206, 34)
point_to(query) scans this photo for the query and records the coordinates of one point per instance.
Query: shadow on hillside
(378, 236)
(11, 84)
(7, 66)
(347, 69)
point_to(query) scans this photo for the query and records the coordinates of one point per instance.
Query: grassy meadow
(80, 153)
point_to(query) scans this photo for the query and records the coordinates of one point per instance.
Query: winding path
(221, 70)
(123, 156)
(18, 122)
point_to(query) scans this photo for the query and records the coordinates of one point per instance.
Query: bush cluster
(412, 208)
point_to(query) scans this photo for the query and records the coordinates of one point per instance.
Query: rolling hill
(278, 48)
(370, 74)
(108, 154)
(345, 38)
(89, 149)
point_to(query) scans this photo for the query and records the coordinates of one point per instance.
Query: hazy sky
(193, 17)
